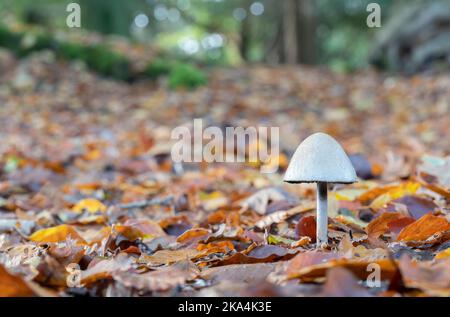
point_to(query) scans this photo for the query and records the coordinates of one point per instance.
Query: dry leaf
(13, 286)
(164, 257)
(385, 222)
(424, 228)
(57, 234)
(89, 205)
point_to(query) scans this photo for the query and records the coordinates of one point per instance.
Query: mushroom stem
(322, 214)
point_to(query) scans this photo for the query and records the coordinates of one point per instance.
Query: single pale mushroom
(320, 159)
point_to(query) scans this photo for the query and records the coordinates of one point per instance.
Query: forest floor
(91, 202)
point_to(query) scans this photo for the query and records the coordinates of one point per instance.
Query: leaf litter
(89, 193)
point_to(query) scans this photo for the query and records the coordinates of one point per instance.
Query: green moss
(101, 59)
(97, 58)
(71, 51)
(108, 63)
(187, 76)
(10, 40)
(159, 67)
(35, 42)
(180, 74)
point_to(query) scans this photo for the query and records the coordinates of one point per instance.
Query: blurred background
(414, 36)
(136, 69)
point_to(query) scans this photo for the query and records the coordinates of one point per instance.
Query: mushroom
(320, 159)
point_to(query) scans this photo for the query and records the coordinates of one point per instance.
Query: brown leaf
(336, 279)
(247, 273)
(164, 257)
(146, 226)
(386, 222)
(417, 206)
(431, 277)
(431, 182)
(216, 247)
(282, 215)
(306, 227)
(260, 254)
(358, 267)
(423, 228)
(193, 235)
(160, 280)
(261, 199)
(307, 259)
(13, 286)
(105, 268)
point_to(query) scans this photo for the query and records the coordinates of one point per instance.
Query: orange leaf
(12, 286)
(131, 233)
(57, 234)
(90, 205)
(385, 223)
(192, 235)
(216, 247)
(148, 227)
(423, 228)
(443, 254)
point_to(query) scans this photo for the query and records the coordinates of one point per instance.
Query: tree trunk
(290, 22)
(245, 38)
(307, 32)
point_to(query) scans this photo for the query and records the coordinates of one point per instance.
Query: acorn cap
(320, 158)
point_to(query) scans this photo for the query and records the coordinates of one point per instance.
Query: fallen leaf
(306, 227)
(260, 254)
(431, 277)
(57, 234)
(164, 257)
(357, 267)
(395, 193)
(247, 273)
(212, 201)
(89, 205)
(216, 247)
(417, 206)
(385, 223)
(443, 254)
(338, 276)
(160, 280)
(423, 228)
(12, 285)
(281, 215)
(105, 268)
(307, 259)
(262, 198)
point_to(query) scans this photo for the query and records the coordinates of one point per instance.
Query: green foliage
(35, 42)
(10, 40)
(187, 76)
(22, 43)
(180, 74)
(159, 67)
(108, 63)
(101, 59)
(98, 58)
(71, 51)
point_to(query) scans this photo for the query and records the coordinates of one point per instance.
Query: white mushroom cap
(320, 158)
